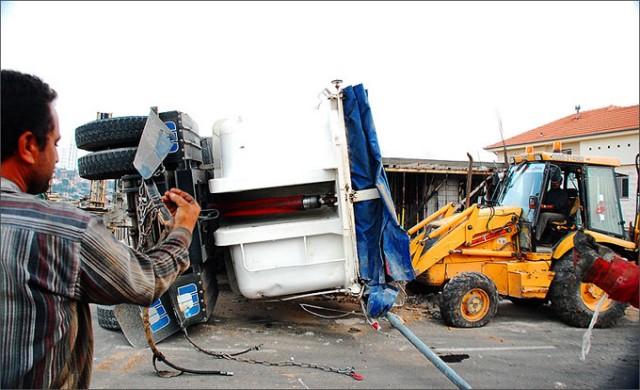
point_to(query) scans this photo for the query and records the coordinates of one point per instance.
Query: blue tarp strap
(368, 194)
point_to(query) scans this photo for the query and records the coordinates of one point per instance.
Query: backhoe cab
(489, 251)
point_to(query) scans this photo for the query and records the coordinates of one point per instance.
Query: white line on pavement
(492, 349)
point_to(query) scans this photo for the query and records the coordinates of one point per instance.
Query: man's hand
(183, 207)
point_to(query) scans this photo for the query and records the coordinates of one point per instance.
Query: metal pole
(429, 354)
(469, 180)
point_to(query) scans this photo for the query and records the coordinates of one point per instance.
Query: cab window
(603, 207)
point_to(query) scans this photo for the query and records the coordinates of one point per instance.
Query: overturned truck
(284, 219)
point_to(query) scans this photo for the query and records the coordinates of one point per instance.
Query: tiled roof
(599, 121)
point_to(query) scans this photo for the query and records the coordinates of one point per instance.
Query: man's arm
(556, 201)
(112, 272)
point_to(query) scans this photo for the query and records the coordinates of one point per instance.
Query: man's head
(30, 130)
(555, 177)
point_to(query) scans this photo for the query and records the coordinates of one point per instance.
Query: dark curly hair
(25, 107)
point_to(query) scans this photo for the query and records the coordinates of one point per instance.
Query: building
(421, 187)
(605, 132)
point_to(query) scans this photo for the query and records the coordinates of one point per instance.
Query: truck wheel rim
(591, 295)
(475, 305)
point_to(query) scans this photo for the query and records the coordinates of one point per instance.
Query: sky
(442, 77)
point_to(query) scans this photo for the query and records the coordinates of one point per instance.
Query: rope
(586, 337)
(304, 307)
(157, 355)
(220, 355)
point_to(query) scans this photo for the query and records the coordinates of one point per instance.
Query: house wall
(573, 146)
(624, 147)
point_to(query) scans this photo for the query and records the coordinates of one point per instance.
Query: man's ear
(28, 150)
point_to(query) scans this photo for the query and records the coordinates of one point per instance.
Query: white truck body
(313, 251)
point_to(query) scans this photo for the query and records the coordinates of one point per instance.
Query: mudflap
(193, 296)
(190, 300)
(163, 321)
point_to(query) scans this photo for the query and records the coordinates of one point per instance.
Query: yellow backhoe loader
(489, 250)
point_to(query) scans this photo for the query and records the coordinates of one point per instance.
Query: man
(554, 203)
(600, 265)
(55, 259)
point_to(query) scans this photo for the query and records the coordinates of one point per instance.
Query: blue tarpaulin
(383, 245)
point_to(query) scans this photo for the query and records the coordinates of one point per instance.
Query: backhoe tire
(469, 300)
(574, 302)
(117, 132)
(107, 164)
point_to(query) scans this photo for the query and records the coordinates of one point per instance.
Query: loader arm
(414, 244)
(428, 249)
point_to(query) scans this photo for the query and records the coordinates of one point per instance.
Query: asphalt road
(522, 348)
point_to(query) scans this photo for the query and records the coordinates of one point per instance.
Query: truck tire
(106, 318)
(469, 300)
(574, 302)
(110, 133)
(107, 164)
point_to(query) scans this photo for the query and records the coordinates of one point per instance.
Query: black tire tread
(107, 164)
(116, 132)
(106, 318)
(456, 288)
(567, 304)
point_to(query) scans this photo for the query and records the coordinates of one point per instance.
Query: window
(602, 203)
(525, 180)
(622, 182)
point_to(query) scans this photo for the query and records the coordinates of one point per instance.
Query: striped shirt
(55, 259)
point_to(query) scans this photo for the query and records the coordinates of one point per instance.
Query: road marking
(492, 349)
